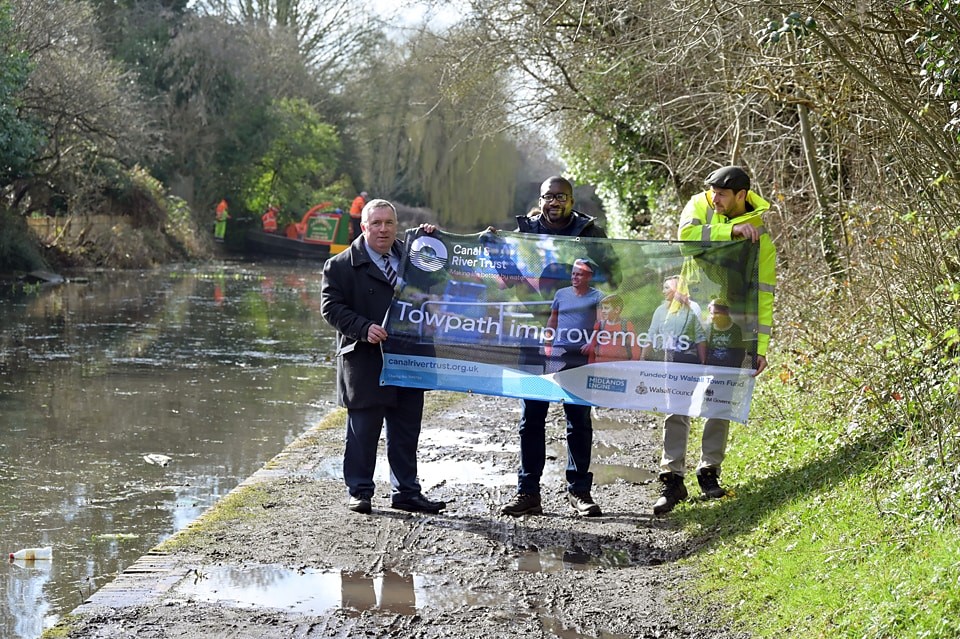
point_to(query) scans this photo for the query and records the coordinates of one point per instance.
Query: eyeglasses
(559, 197)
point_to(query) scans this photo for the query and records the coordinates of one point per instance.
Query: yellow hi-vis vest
(699, 222)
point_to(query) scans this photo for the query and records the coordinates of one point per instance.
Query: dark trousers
(533, 446)
(403, 434)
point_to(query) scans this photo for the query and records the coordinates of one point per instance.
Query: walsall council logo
(428, 254)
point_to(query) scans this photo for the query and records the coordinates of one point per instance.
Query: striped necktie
(389, 272)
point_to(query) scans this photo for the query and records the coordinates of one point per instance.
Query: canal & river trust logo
(428, 254)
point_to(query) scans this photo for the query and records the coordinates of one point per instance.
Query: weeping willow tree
(436, 140)
(468, 180)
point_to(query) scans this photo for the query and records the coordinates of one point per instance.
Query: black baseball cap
(729, 177)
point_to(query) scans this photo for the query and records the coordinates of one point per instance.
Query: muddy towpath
(281, 556)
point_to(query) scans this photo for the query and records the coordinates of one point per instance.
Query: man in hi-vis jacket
(727, 211)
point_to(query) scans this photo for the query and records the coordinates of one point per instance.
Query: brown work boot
(523, 504)
(672, 492)
(709, 480)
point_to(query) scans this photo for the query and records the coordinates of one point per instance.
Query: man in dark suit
(356, 293)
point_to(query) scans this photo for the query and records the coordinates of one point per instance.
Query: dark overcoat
(355, 294)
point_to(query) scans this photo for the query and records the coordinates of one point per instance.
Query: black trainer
(672, 492)
(360, 504)
(583, 504)
(709, 480)
(418, 504)
(523, 504)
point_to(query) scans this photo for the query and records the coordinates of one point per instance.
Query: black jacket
(355, 294)
(581, 225)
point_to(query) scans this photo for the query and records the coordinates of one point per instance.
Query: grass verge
(243, 504)
(821, 537)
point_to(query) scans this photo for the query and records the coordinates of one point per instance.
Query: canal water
(130, 402)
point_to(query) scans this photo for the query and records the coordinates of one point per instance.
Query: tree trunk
(827, 242)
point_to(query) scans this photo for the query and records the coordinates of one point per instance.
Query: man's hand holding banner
(661, 326)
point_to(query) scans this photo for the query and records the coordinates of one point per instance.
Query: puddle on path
(604, 474)
(317, 592)
(607, 423)
(556, 629)
(435, 470)
(466, 440)
(560, 559)
(432, 472)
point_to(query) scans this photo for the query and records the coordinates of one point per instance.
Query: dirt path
(310, 568)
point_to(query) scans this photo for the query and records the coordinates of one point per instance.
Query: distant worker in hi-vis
(222, 215)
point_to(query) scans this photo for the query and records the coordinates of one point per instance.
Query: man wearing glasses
(556, 217)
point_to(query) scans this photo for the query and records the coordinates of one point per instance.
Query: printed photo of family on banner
(669, 327)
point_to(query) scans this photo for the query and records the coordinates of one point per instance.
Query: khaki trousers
(676, 432)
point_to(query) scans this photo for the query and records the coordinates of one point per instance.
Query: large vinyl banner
(660, 326)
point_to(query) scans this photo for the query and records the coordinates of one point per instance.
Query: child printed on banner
(725, 345)
(619, 341)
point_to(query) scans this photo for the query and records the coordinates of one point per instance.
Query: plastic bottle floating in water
(33, 553)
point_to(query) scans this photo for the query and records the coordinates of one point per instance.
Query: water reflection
(217, 368)
(605, 474)
(25, 584)
(319, 592)
(550, 560)
(305, 591)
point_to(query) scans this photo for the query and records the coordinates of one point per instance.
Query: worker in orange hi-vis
(270, 220)
(220, 228)
(355, 210)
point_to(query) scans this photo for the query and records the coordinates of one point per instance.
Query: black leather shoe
(418, 504)
(359, 504)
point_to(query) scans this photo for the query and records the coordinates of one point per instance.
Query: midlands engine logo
(428, 254)
(610, 384)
